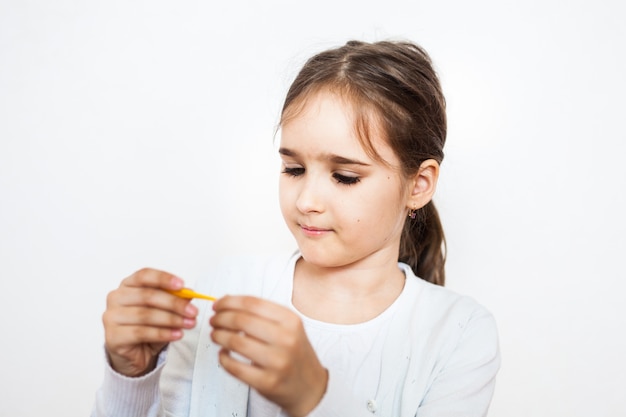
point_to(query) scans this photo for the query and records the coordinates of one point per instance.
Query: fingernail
(189, 323)
(177, 283)
(191, 310)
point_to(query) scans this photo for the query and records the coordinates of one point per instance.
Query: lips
(313, 231)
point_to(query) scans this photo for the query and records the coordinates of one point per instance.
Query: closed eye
(293, 172)
(346, 179)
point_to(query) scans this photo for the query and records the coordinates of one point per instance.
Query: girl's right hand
(141, 318)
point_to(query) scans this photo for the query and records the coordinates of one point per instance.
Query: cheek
(287, 196)
(282, 195)
(281, 189)
(386, 207)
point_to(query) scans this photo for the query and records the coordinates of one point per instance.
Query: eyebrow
(341, 160)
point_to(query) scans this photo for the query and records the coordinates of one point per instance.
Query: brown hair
(393, 86)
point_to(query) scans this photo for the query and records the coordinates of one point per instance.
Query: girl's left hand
(283, 365)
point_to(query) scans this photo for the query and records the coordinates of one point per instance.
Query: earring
(413, 213)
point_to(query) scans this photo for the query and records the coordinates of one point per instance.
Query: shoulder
(455, 338)
(441, 302)
(451, 319)
(446, 302)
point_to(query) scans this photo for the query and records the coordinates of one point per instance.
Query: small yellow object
(189, 293)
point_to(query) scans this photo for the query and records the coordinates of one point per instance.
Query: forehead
(327, 123)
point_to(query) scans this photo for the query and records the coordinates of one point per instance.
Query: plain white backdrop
(142, 134)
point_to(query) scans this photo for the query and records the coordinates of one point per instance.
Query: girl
(356, 322)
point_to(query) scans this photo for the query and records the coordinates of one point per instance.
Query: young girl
(356, 322)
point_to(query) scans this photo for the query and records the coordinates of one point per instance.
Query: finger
(151, 317)
(258, 306)
(133, 335)
(258, 352)
(249, 373)
(148, 277)
(273, 385)
(252, 325)
(150, 297)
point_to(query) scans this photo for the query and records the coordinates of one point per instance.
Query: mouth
(313, 231)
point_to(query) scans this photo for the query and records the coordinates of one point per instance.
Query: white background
(141, 134)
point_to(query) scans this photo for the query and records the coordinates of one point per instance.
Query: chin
(325, 258)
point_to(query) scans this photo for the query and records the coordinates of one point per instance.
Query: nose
(310, 196)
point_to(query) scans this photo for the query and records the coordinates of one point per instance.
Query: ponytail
(423, 245)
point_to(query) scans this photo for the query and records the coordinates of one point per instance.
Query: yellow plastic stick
(189, 293)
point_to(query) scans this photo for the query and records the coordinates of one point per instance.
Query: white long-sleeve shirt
(434, 354)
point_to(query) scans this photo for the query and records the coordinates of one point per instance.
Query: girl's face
(342, 206)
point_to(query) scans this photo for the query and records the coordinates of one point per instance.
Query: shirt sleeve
(122, 396)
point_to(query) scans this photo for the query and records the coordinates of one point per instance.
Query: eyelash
(293, 172)
(345, 179)
(341, 179)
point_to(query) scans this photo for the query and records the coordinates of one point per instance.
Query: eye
(346, 179)
(293, 171)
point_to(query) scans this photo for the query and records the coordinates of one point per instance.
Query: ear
(423, 185)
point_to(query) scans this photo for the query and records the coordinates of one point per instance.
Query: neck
(347, 294)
